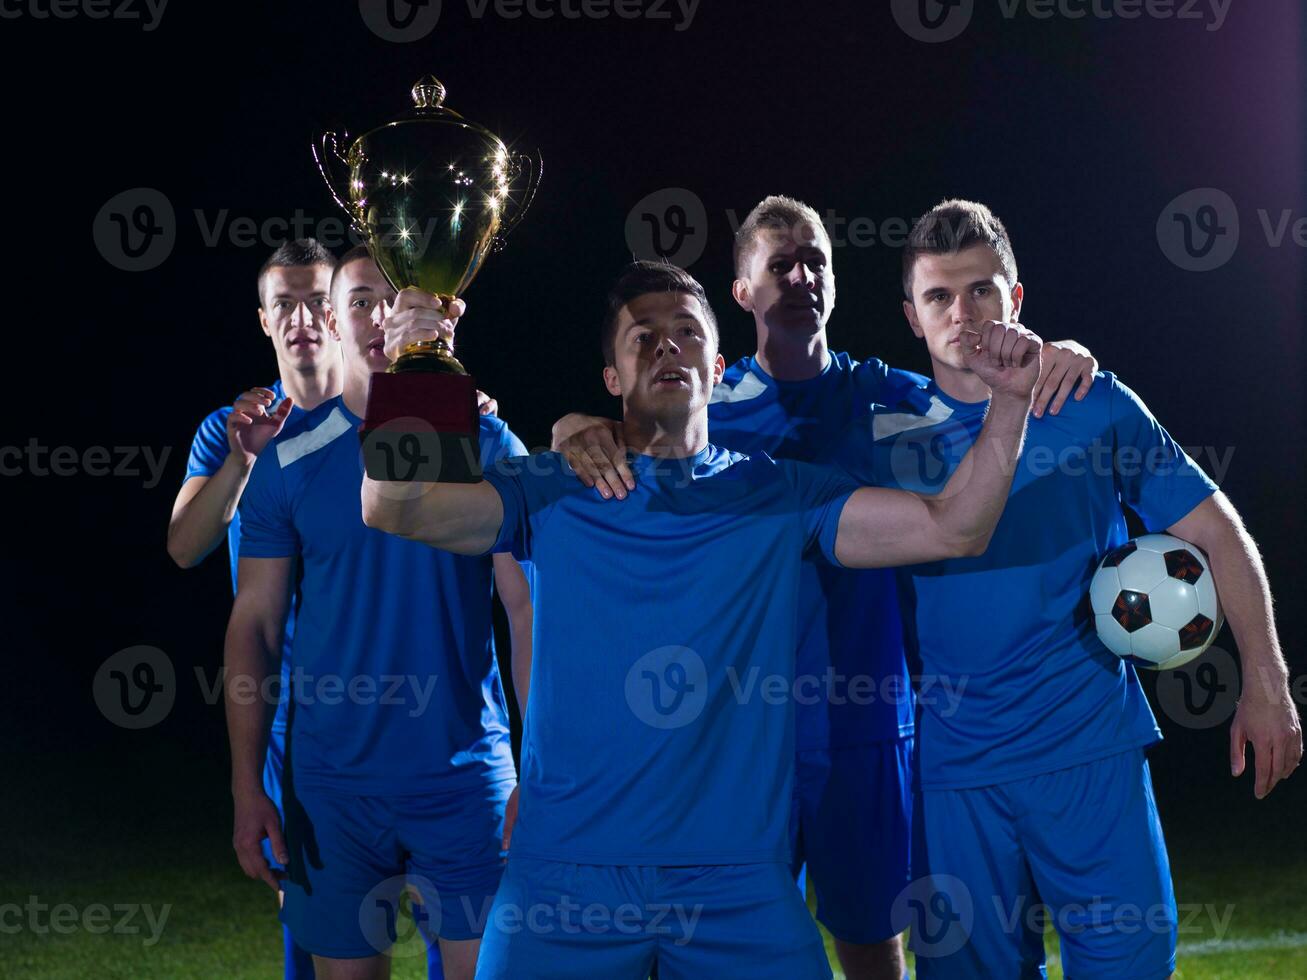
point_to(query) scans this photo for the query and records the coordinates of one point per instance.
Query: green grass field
(130, 832)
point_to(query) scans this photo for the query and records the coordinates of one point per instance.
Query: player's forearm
(249, 659)
(969, 506)
(1245, 592)
(462, 518)
(519, 634)
(199, 526)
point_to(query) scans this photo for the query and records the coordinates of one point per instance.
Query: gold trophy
(432, 195)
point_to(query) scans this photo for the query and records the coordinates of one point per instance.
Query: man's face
(360, 305)
(789, 281)
(665, 356)
(954, 293)
(294, 315)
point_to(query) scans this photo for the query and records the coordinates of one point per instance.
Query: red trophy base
(422, 426)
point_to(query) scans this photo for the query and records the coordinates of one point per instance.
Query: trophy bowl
(432, 195)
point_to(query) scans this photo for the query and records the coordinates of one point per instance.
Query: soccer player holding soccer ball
(1034, 785)
(794, 399)
(648, 783)
(398, 760)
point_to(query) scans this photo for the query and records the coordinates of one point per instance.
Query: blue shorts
(615, 922)
(359, 863)
(1081, 848)
(850, 823)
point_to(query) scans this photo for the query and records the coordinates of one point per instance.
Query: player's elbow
(380, 514)
(181, 555)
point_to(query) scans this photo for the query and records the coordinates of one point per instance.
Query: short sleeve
(498, 442)
(514, 479)
(1155, 476)
(267, 528)
(209, 448)
(822, 492)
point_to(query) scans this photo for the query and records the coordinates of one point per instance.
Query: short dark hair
(353, 255)
(774, 213)
(298, 253)
(643, 277)
(951, 226)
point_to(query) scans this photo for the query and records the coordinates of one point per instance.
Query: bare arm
(515, 594)
(205, 506)
(883, 528)
(202, 511)
(880, 527)
(252, 655)
(1266, 715)
(460, 517)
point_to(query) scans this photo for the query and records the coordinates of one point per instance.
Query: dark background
(1077, 132)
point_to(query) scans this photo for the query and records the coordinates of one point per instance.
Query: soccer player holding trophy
(398, 762)
(650, 784)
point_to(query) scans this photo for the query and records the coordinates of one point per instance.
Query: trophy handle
(327, 155)
(534, 167)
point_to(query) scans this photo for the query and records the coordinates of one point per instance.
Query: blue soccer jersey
(854, 686)
(395, 688)
(209, 450)
(1015, 681)
(661, 715)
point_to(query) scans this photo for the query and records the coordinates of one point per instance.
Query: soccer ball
(1155, 602)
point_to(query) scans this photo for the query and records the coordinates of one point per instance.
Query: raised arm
(252, 655)
(1266, 715)
(880, 527)
(205, 505)
(460, 517)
